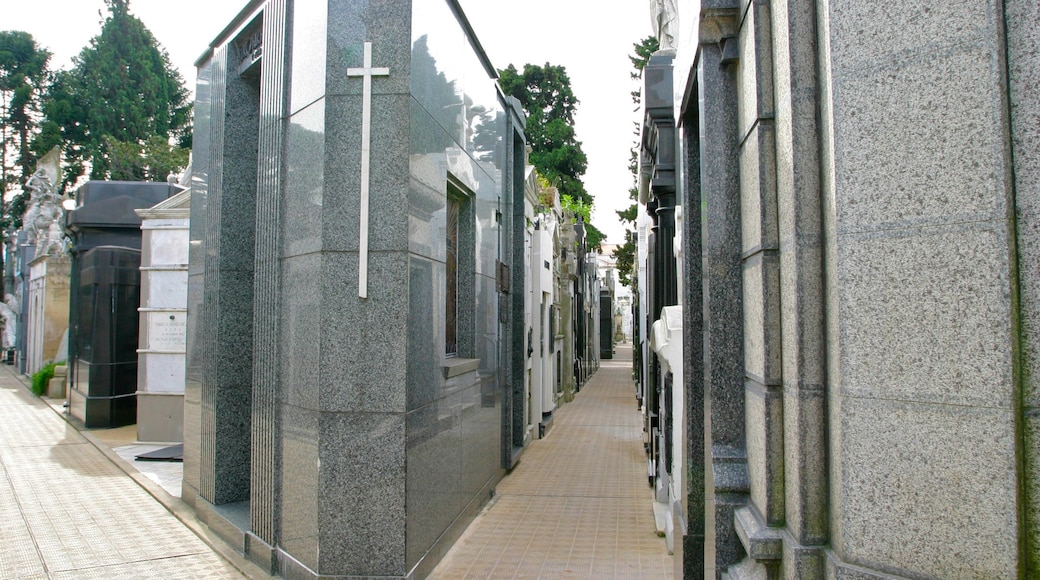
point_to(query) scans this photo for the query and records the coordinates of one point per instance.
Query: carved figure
(9, 312)
(665, 20)
(44, 211)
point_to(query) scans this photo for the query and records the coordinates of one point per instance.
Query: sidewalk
(578, 504)
(68, 510)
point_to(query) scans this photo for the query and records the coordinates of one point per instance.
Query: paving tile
(66, 511)
(577, 505)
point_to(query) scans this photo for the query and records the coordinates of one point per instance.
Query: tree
(546, 96)
(121, 94)
(23, 73)
(625, 254)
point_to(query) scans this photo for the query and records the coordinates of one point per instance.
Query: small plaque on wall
(503, 277)
(167, 331)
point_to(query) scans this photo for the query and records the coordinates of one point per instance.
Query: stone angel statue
(42, 221)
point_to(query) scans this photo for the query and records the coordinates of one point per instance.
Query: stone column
(265, 450)
(762, 313)
(726, 474)
(798, 186)
(220, 312)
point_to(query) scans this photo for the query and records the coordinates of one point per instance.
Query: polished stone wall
(887, 248)
(368, 449)
(921, 296)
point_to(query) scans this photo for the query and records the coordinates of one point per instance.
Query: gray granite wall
(360, 450)
(265, 465)
(887, 236)
(798, 183)
(720, 215)
(219, 342)
(921, 297)
(1022, 21)
(756, 131)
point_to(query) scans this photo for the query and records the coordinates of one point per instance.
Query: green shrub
(42, 378)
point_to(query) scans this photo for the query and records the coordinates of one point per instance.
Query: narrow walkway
(578, 504)
(67, 511)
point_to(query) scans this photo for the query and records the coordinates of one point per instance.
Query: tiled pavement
(578, 504)
(68, 511)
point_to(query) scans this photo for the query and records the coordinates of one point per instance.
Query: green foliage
(42, 378)
(644, 49)
(624, 254)
(23, 73)
(151, 161)
(583, 211)
(122, 90)
(546, 96)
(625, 259)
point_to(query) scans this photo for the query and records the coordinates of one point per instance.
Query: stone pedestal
(56, 386)
(164, 297)
(48, 309)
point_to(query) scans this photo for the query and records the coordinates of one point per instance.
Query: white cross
(366, 73)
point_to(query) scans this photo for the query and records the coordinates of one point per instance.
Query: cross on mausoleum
(366, 72)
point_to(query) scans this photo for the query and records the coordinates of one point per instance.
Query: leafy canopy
(546, 96)
(121, 94)
(23, 73)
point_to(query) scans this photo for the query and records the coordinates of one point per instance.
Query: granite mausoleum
(859, 278)
(352, 305)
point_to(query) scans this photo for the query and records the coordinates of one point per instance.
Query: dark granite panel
(376, 326)
(450, 82)
(301, 331)
(388, 183)
(434, 156)
(425, 333)
(453, 454)
(723, 308)
(302, 203)
(485, 324)
(299, 484)
(309, 46)
(486, 239)
(434, 452)
(386, 24)
(239, 152)
(693, 435)
(427, 186)
(361, 512)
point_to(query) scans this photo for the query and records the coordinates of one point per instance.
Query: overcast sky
(591, 38)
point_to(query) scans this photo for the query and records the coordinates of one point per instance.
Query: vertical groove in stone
(761, 265)
(799, 197)
(211, 285)
(265, 464)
